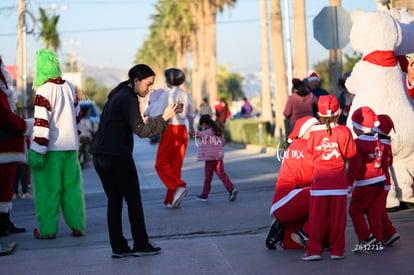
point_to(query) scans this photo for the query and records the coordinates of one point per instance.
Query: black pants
(120, 180)
(22, 176)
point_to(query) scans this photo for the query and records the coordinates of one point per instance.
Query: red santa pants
(7, 175)
(387, 228)
(210, 167)
(367, 200)
(170, 157)
(327, 215)
(294, 213)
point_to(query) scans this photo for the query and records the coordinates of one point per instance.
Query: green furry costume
(53, 155)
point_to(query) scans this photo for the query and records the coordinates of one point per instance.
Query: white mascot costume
(378, 82)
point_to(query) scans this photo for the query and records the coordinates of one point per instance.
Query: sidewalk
(217, 237)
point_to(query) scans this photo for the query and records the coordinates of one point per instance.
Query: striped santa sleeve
(42, 113)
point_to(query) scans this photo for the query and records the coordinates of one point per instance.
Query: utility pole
(335, 61)
(72, 60)
(21, 81)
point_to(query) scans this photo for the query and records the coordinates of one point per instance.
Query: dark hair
(341, 82)
(300, 88)
(174, 76)
(140, 71)
(211, 123)
(84, 110)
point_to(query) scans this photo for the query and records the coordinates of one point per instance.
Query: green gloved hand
(36, 160)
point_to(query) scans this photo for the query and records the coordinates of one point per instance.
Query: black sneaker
(391, 239)
(233, 194)
(275, 236)
(379, 246)
(202, 198)
(366, 244)
(147, 251)
(300, 237)
(122, 254)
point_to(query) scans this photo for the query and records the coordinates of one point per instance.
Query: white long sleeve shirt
(56, 118)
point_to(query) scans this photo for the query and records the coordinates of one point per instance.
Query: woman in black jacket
(112, 157)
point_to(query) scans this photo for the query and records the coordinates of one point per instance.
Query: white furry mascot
(378, 82)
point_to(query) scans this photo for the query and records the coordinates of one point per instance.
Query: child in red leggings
(210, 142)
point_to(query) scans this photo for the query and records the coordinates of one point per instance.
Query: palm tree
(210, 8)
(300, 54)
(49, 32)
(180, 26)
(281, 93)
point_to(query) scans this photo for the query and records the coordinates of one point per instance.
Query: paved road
(217, 237)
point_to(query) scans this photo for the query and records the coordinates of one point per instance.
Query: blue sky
(109, 32)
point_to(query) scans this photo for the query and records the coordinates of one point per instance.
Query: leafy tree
(322, 67)
(229, 84)
(351, 60)
(95, 92)
(322, 70)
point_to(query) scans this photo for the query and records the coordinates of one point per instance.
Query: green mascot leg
(73, 202)
(55, 183)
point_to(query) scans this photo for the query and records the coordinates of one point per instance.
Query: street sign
(331, 27)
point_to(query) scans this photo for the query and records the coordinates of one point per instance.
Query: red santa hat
(386, 125)
(294, 80)
(328, 106)
(364, 119)
(301, 126)
(313, 76)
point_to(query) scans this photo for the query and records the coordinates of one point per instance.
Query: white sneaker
(179, 195)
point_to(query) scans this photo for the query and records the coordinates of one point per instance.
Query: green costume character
(53, 155)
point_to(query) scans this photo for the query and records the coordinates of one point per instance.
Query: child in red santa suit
(290, 205)
(366, 172)
(390, 234)
(330, 144)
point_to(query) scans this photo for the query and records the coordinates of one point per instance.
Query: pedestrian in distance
(112, 148)
(300, 103)
(205, 108)
(246, 109)
(313, 83)
(173, 145)
(210, 143)
(22, 177)
(330, 144)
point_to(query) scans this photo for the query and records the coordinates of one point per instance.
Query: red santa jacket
(296, 172)
(366, 167)
(387, 160)
(329, 153)
(296, 169)
(12, 129)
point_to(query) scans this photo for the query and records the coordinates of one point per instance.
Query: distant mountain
(106, 76)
